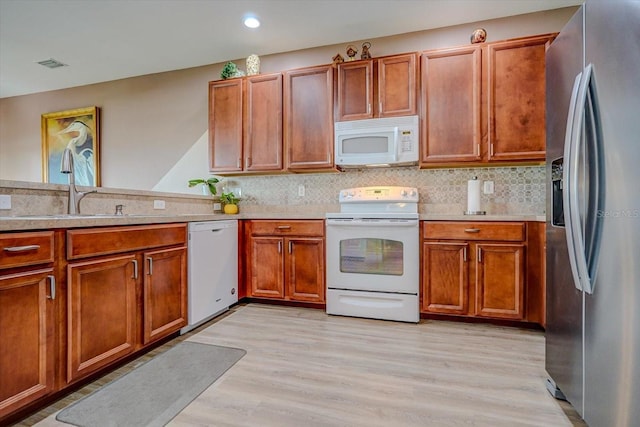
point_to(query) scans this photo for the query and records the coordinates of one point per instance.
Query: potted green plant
(230, 202)
(206, 183)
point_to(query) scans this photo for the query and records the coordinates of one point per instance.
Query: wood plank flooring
(305, 368)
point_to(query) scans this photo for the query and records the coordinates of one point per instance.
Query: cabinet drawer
(20, 249)
(454, 230)
(83, 243)
(287, 228)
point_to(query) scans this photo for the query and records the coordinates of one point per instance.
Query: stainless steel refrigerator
(593, 213)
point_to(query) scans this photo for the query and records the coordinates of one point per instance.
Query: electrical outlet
(217, 207)
(488, 187)
(301, 190)
(5, 201)
(158, 204)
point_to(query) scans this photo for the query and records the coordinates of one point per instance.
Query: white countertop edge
(43, 223)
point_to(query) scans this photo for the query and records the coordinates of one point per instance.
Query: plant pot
(231, 209)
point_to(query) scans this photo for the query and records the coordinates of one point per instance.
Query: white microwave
(388, 141)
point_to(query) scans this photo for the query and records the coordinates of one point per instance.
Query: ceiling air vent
(52, 63)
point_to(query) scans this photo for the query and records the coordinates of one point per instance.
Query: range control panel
(379, 194)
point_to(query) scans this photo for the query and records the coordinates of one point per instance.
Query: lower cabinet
(120, 302)
(165, 293)
(26, 339)
(28, 304)
(285, 260)
(474, 269)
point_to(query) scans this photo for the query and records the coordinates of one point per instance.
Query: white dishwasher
(212, 270)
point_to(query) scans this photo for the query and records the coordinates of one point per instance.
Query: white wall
(154, 127)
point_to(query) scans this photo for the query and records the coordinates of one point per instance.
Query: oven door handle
(373, 223)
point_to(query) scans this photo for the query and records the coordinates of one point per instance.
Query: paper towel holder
(478, 212)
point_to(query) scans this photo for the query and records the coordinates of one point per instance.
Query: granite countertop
(45, 222)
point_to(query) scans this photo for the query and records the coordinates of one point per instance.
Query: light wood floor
(305, 368)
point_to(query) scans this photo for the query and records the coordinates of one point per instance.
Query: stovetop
(378, 202)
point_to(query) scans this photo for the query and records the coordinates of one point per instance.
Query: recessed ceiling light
(251, 22)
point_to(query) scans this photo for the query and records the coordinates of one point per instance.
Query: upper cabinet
(484, 103)
(515, 97)
(245, 124)
(382, 87)
(450, 93)
(308, 118)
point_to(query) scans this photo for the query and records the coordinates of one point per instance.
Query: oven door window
(368, 255)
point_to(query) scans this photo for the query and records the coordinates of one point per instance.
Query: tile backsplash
(517, 190)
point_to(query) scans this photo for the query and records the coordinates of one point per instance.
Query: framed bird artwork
(79, 131)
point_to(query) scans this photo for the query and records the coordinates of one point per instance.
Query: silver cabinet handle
(135, 268)
(22, 248)
(239, 162)
(464, 254)
(52, 286)
(150, 266)
(479, 254)
(279, 247)
(284, 227)
(471, 230)
(290, 246)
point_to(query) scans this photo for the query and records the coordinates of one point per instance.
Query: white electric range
(373, 254)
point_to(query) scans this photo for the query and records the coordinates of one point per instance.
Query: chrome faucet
(66, 166)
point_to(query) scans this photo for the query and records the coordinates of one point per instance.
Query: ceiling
(103, 40)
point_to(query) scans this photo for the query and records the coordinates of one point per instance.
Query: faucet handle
(119, 209)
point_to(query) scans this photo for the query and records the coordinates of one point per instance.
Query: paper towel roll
(473, 195)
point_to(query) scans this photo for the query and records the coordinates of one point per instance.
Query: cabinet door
(26, 338)
(165, 293)
(266, 267)
(263, 123)
(397, 86)
(445, 277)
(500, 280)
(516, 99)
(101, 323)
(308, 116)
(451, 82)
(225, 125)
(355, 90)
(305, 269)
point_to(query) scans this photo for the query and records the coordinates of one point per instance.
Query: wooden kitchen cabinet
(515, 98)
(286, 260)
(474, 269)
(101, 320)
(451, 88)
(308, 118)
(27, 319)
(127, 287)
(484, 103)
(165, 293)
(245, 124)
(381, 87)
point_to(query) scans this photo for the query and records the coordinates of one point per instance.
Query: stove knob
(414, 193)
(403, 193)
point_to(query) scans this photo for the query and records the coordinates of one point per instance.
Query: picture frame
(79, 130)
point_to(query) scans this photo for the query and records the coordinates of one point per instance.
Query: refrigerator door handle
(596, 195)
(584, 264)
(569, 181)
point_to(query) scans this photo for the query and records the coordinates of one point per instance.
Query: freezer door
(612, 314)
(564, 356)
